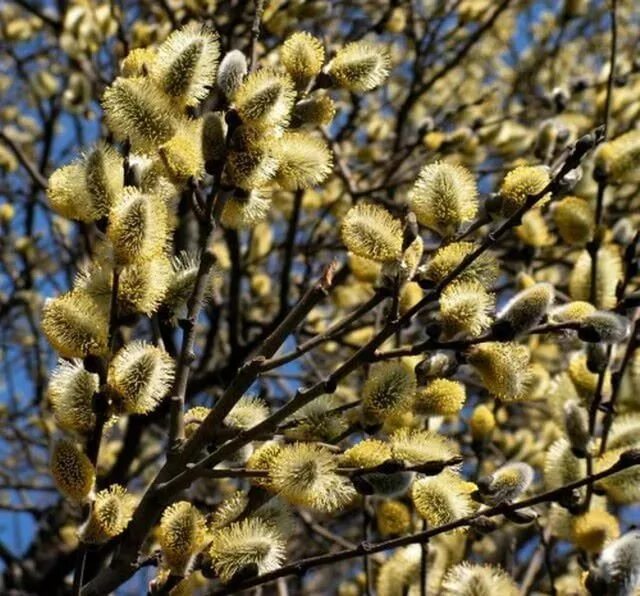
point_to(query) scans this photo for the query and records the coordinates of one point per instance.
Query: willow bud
(231, 72)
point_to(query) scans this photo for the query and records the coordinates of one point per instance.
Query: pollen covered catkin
(371, 232)
(72, 472)
(182, 535)
(359, 66)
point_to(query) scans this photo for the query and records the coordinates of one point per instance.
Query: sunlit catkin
(141, 375)
(265, 98)
(370, 231)
(182, 534)
(526, 309)
(104, 178)
(245, 210)
(182, 154)
(441, 397)
(574, 219)
(110, 514)
(503, 368)
(518, 185)
(136, 110)
(138, 226)
(390, 388)
(468, 579)
(303, 160)
(72, 472)
(249, 546)
(415, 447)
(445, 260)
(68, 195)
(71, 390)
(231, 72)
(466, 307)
(592, 530)
(302, 55)
(75, 325)
(313, 111)
(608, 274)
(185, 65)
(507, 483)
(443, 498)
(444, 197)
(604, 326)
(618, 160)
(576, 426)
(359, 66)
(481, 423)
(305, 474)
(393, 518)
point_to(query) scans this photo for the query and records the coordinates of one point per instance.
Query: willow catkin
(371, 232)
(302, 55)
(518, 185)
(73, 473)
(305, 474)
(75, 325)
(390, 388)
(359, 66)
(466, 307)
(444, 197)
(185, 64)
(592, 530)
(608, 274)
(265, 98)
(303, 160)
(110, 514)
(467, 579)
(71, 390)
(136, 110)
(182, 534)
(141, 375)
(617, 160)
(231, 72)
(441, 397)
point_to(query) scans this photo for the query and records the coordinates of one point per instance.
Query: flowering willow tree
(320, 297)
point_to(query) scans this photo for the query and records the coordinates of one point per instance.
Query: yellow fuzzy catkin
(250, 169)
(193, 417)
(68, 195)
(390, 388)
(576, 310)
(561, 466)
(444, 197)
(249, 543)
(527, 308)
(506, 483)
(585, 381)
(441, 397)
(393, 518)
(303, 160)
(75, 325)
(534, 230)
(71, 390)
(443, 498)
(104, 178)
(609, 273)
(302, 55)
(370, 231)
(483, 270)
(136, 110)
(138, 62)
(364, 269)
(416, 447)
(265, 98)
(110, 514)
(360, 66)
(574, 219)
(263, 458)
(481, 423)
(503, 368)
(143, 285)
(305, 474)
(72, 472)
(468, 579)
(592, 530)
(141, 375)
(316, 110)
(185, 64)
(240, 211)
(465, 307)
(248, 411)
(182, 154)
(138, 227)
(182, 534)
(519, 184)
(618, 160)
